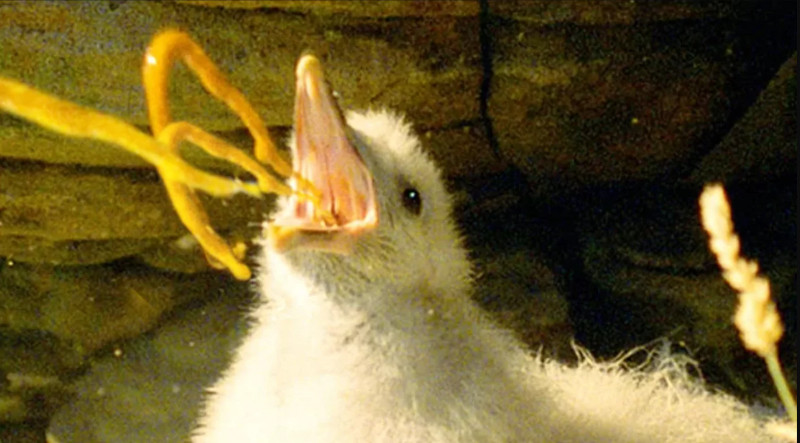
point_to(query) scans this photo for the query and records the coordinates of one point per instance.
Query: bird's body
(326, 371)
(381, 344)
(367, 333)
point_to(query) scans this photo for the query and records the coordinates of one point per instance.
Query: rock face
(576, 134)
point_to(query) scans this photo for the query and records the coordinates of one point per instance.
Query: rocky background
(576, 135)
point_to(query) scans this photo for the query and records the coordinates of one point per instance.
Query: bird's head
(391, 214)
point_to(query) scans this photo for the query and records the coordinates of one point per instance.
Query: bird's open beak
(324, 155)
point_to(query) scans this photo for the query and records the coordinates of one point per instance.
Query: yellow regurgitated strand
(180, 178)
(77, 121)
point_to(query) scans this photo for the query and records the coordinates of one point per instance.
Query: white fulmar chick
(367, 332)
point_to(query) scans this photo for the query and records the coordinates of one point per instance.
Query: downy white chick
(367, 333)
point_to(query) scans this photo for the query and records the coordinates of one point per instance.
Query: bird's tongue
(324, 156)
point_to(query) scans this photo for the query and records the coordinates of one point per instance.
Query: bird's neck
(430, 360)
(421, 332)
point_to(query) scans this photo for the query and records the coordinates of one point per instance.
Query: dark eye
(412, 201)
